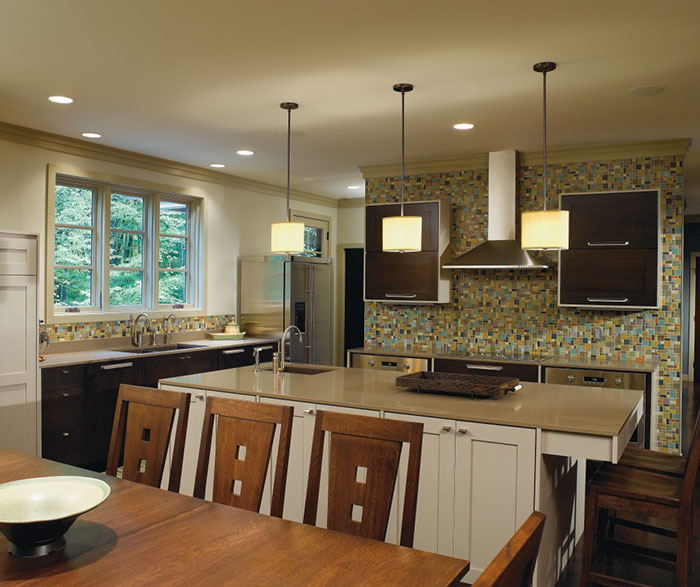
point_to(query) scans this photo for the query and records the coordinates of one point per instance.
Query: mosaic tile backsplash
(120, 328)
(517, 310)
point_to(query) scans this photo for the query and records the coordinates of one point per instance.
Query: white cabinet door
(435, 508)
(299, 455)
(18, 361)
(494, 489)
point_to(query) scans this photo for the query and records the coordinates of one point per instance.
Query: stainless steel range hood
(501, 250)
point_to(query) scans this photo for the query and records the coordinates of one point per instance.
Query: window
(118, 248)
(316, 235)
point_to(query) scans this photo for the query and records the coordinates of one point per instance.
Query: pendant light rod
(289, 106)
(403, 88)
(544, 68)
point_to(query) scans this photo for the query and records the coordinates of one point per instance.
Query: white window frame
(104, 185)
(316, 221)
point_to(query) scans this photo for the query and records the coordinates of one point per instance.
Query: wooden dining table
(147, 536)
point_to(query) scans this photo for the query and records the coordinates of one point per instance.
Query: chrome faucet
(137, 335)
(287, 330)
(256, 355)
(168, 332)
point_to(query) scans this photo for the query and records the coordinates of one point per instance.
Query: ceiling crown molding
(597, 152)
(80, 148)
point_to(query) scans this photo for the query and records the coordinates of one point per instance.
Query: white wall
(351, 225)
(237, 221)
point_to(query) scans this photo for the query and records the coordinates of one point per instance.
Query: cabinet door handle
(608, 300)
(185, 358)
(116, 366)
(199, 397)
(446, 428)
(608, 243)
(401, 296)
(233, 352)
(462, 431)
(65, 434)
(65, 394)
(65, 371)
(308, 411)
(485, 367)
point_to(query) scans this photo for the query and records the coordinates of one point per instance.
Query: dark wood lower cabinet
(524, 372)
(78, 401)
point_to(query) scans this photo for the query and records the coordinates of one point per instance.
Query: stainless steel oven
(607, 379)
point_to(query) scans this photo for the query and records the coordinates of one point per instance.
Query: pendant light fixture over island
(287, 238)
(402, 234)
(544, 229)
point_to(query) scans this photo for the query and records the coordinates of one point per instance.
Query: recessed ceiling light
(217, 165)
(463, 126)
(92, 135)
(646, 90)
(61, 99)
(245, 152)
(353, 187)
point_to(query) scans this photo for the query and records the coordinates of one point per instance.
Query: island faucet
(287, 330)
(137, 335)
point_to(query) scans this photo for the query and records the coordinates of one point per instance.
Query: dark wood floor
(632, 571)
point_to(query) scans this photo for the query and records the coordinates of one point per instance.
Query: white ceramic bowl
(36, 513)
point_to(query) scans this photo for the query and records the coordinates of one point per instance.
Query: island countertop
(564, 408)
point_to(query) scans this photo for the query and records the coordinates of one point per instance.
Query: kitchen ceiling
(197, 81)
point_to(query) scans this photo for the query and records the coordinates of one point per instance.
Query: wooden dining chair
(363, 466)
(244, 437)
(143, 422)
(514, 565)
(617, 491)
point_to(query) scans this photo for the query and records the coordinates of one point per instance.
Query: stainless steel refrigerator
(276, 291)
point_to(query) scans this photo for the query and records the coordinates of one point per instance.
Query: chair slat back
(363, 467)
(514, 565)
(143, 422)
(244, 440)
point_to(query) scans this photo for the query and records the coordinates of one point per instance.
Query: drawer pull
(65, 371)
(401, 296)
(185, 358)
(608, 300)
(64, 394)
(116, 366)
(233, 352)
(199, 397)
(462, 431)
(485, 367)
(65, 434)
(608, 243)
(446, 428)
(310, 412)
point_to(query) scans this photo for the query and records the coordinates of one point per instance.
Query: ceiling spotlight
(61, 99)
(353, 187)
(463, 126)
(92, 135)
(217, 165)
(245, 152)
(646, 90)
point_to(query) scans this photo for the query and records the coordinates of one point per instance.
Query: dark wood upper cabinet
(627, 220)
(613, 256)
(407, 277)
(428, 211)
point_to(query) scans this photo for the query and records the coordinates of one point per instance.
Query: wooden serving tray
(472, 386)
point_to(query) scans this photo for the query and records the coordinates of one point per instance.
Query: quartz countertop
(542, 357)
(97, 356)
(566, 408)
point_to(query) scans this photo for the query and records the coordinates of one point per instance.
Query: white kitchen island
(486, 464)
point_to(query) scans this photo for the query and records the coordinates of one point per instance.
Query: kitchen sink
(303, 369)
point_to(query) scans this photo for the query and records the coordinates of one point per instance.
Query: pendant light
(402, 234)
(546, 230)
(287, 237)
